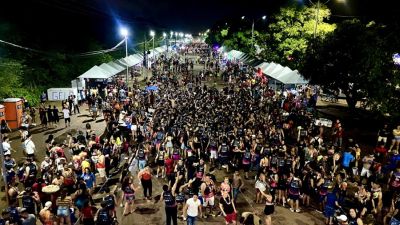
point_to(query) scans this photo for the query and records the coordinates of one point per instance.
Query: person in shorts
(228, 209)
(269, 208)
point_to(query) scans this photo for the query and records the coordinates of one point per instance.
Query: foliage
(27, 73)
(292, 30)
(11, 73)
(357, 59)
(284, 41)
(10, 77)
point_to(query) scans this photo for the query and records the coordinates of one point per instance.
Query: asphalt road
(152, 212)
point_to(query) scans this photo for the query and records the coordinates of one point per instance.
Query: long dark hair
(249, 220)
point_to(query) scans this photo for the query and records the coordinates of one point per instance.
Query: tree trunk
(351, 102)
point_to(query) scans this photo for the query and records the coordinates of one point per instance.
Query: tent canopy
(115, 65)
(96, 73)
(109, 68)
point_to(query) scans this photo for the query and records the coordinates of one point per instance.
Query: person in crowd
(189, 129)
(67, 117)
(4, 128)
(26, 217)
(128, 196)
(64, 203)
(192, 209)
(89, 179)
(29, 147)
(227, 206)
(145, 178)
(46, 216)
(237, 185)
(396, 139)
(171, 207)
(208, 190)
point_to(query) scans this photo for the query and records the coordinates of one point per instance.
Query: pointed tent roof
(292, 78)
(109, 68)
(116, 66)
(95, 73)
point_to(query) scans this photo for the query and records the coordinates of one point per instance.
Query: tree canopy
(357, 59)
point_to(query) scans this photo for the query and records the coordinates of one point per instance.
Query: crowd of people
(186, 133)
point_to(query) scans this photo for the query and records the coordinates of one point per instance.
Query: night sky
(74, 20)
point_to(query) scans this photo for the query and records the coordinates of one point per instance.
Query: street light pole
(252, 35)
(318, 4)
(317, 18)
(252, 29)
(126, 56)
(124, 32)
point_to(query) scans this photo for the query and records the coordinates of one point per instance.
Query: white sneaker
(297, 210)
(291, 210)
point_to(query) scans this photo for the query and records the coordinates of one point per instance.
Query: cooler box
(13, 112)
(2, 113)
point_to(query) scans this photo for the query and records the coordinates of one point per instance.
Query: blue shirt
(331, 199)
(347, 158)
(89, 179)
(393, 161)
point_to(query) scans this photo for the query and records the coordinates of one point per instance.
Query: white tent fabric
(117, 66)
(292, 78)
(270, 68)
(276, 71)
(129, 61)
(95, 73)
(109, 68)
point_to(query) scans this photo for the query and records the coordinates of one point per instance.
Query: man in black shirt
(171, 208)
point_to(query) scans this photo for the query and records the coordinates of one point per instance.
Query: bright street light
(124, 32)
(243, 17)
(152, 33)
(264, 17)
(164, 35)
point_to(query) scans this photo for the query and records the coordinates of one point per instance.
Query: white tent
(271, 67)
(292, 78)
(277, 73)
(95, 73)
(115, 65)
(109, 68)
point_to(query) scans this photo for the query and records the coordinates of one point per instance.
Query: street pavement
(152, 212)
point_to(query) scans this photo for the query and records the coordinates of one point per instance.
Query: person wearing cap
(331, 203)
(46, 216)
(26, 217)
(342, 220)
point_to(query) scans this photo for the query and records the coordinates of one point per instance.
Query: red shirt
(87, 212)
(380, 149)
(169, 164)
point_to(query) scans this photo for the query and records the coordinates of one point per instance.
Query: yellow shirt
(85, 164)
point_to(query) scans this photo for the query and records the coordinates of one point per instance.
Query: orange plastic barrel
(2, 113)
(13, 112)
